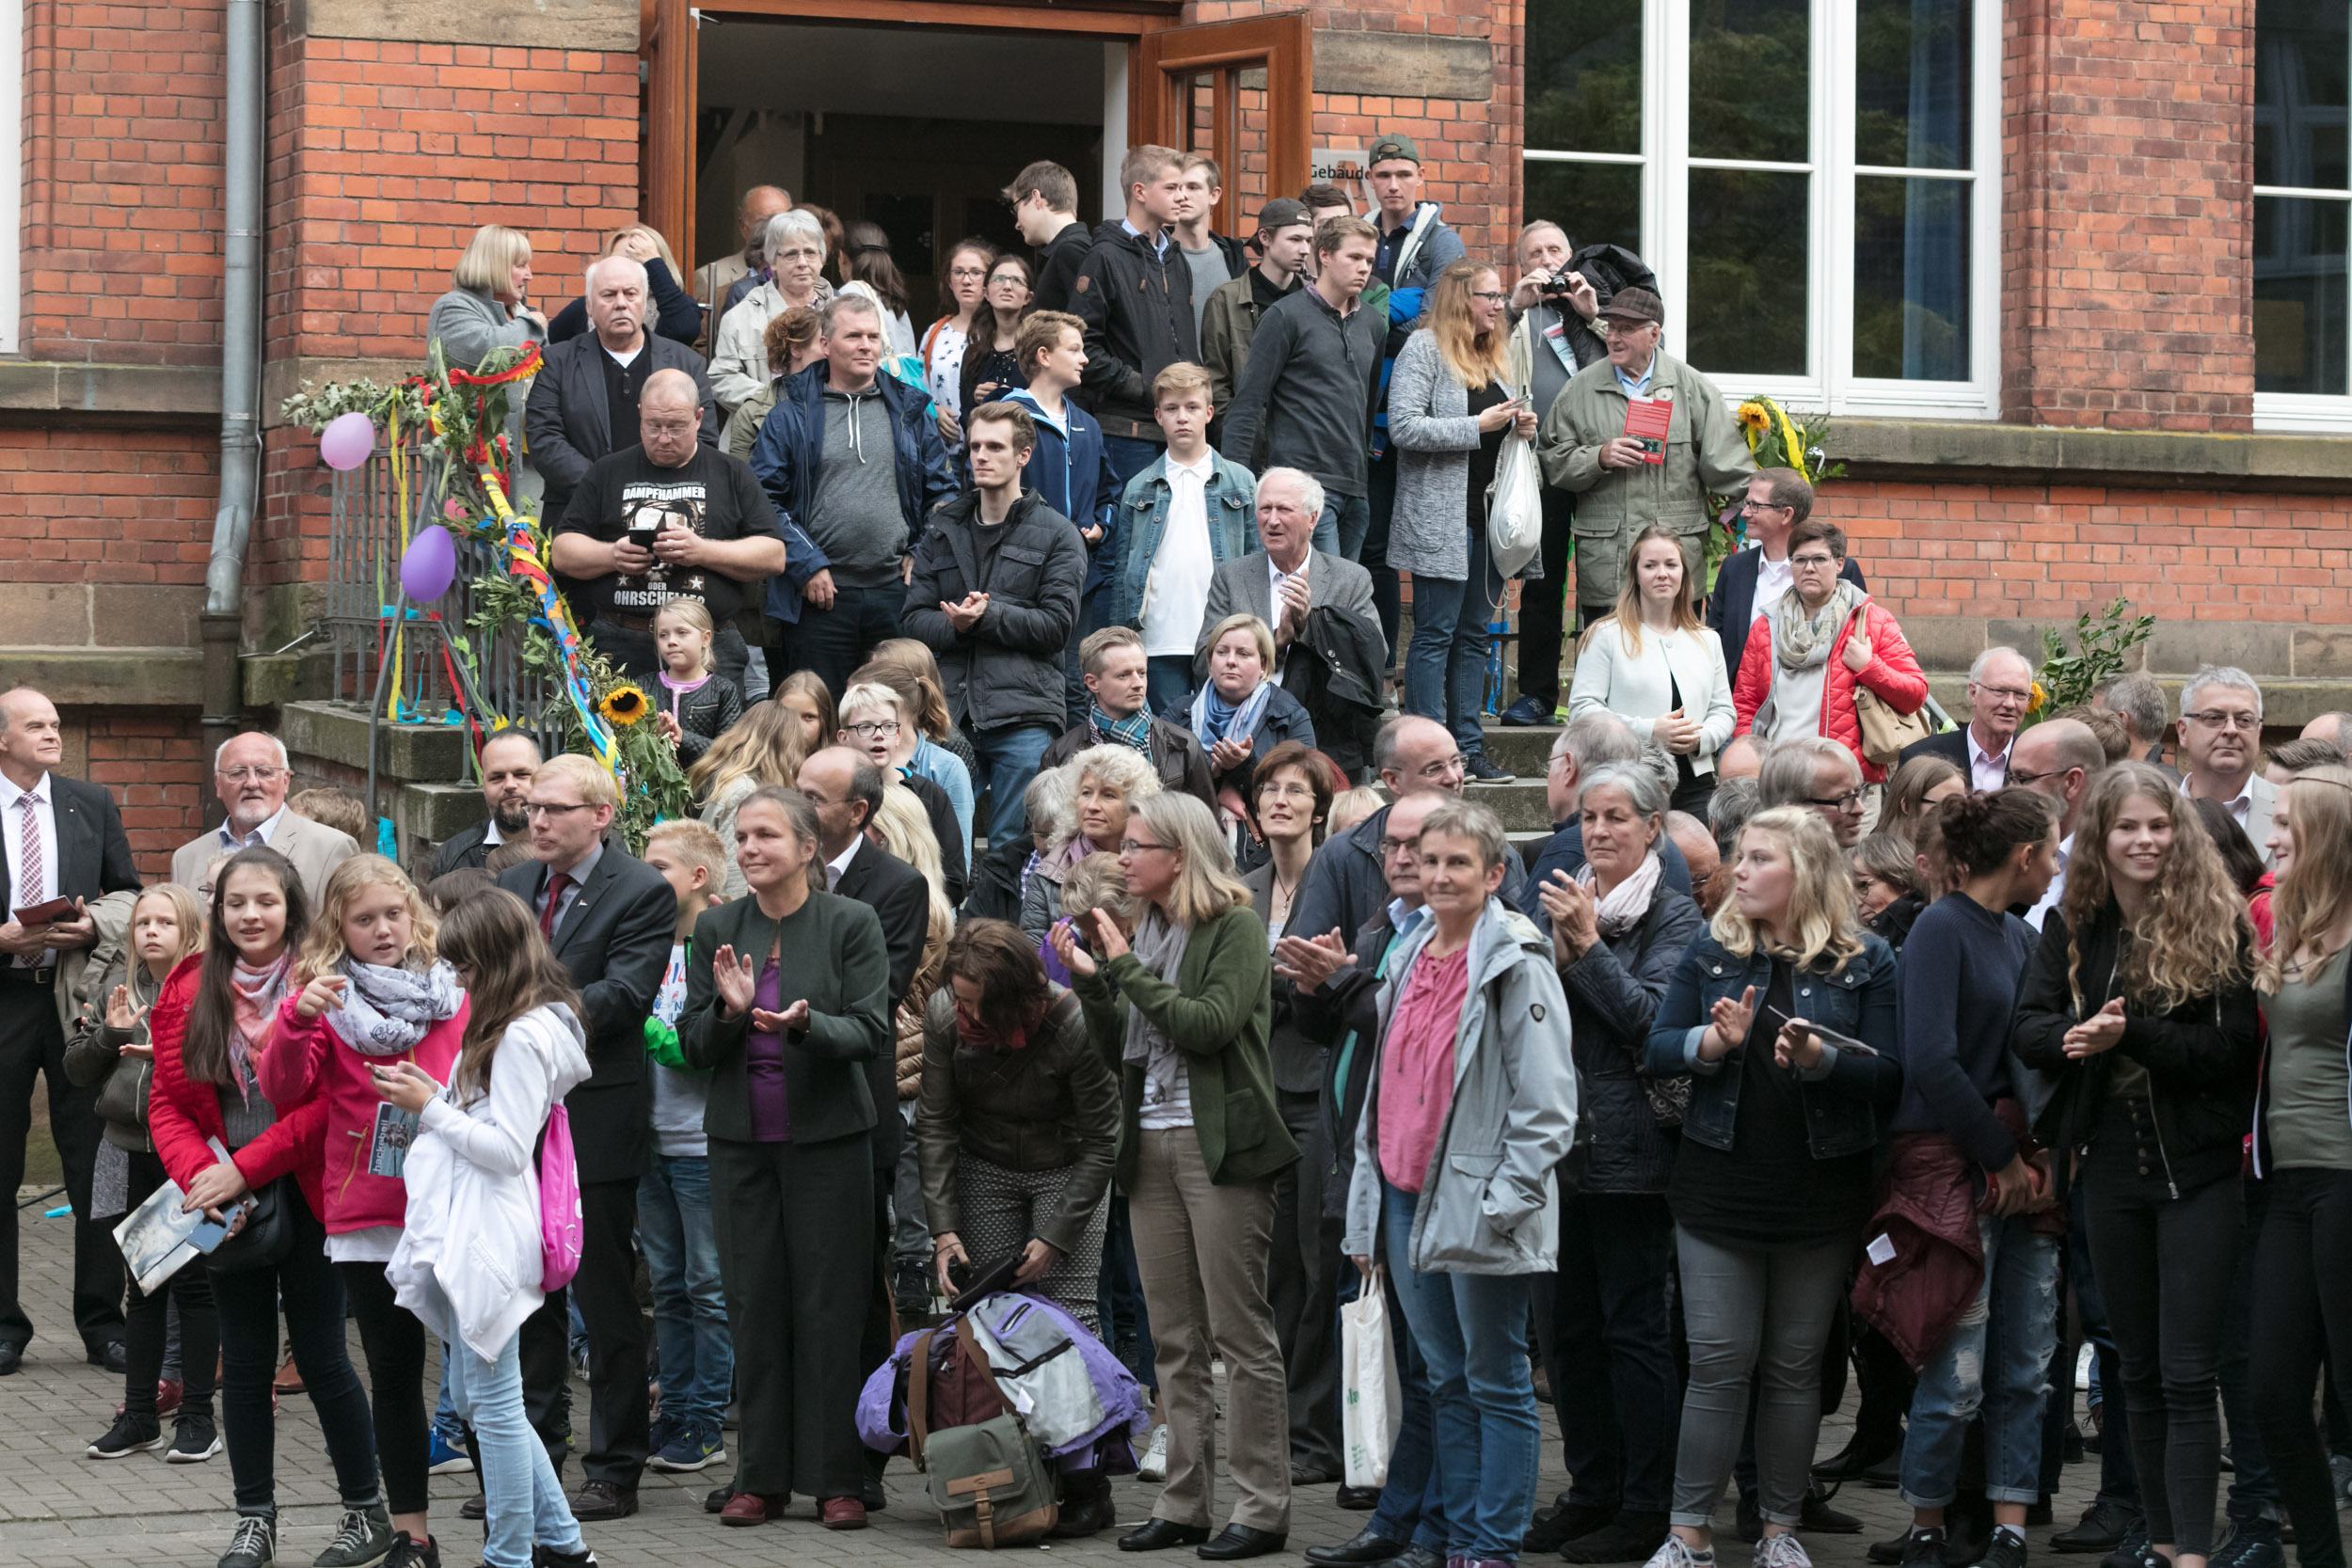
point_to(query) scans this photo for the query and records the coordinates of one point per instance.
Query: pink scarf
(255, 994)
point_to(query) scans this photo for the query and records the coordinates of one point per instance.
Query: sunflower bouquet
(1777, 440)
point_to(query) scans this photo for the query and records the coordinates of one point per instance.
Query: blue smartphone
(207, 1235)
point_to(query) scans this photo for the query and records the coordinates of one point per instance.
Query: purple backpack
(560, 1223)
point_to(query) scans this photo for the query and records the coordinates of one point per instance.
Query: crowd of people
(1032, 677)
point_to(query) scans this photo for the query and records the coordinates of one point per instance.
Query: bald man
(714, 278)
(669, 520)
(2335, 728)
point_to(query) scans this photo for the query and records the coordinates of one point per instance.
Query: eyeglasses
(250, 775)
(2221, 718)
(1014, 278)
(1851, 801)
(872, 728)
(1137, 846)
(1397, 846)
(538, 809)
(967, 272)
(1760, 506)
(2009, 691)
(2023, 779)
(1813, 563)
(666, 427)
(1492, 296)
(1443, 767)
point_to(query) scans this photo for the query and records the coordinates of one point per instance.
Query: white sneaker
(1675, 1552)
(1781, 1551)
(1154, 1465)
(2083, 1365)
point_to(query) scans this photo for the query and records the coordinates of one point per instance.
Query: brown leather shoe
(841, 1513)
(288, 1378)
(745, 1508)
(599, 1500)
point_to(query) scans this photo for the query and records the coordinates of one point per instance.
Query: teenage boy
(1116, 683)
(1044, 199)
(1214, 258)
(1286, 238)
(1135, 295)
(674, 1225)
(1070, 469)
(1184, 514)
(1314, 376)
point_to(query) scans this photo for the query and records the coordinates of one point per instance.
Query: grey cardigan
(1430, 422)
(470, 326)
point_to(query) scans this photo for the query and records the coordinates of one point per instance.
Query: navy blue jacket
(1072, 475)
(789, 452)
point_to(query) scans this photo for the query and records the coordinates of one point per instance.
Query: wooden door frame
(1282, 43)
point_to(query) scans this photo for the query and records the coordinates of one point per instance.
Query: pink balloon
(429, 564)
(346, 443)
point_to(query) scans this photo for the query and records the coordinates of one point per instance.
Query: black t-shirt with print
(715, 495)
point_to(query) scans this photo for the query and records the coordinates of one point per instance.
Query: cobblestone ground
(59, 1509)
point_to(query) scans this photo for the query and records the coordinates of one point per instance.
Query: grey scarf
(1802, 642)
(388, 1012)
(1159, 946)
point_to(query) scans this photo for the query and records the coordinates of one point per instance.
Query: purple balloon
(346, 443)
(429, 564)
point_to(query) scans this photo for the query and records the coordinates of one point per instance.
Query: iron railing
(369, 529)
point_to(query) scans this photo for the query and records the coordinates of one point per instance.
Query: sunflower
(2040, 697)
(1753, 417)
(624, 705)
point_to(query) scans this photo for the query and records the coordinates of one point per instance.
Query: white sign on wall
(1338, 165)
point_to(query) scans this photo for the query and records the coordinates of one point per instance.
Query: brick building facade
(2123, 442)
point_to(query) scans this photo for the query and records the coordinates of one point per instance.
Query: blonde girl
(698, 704)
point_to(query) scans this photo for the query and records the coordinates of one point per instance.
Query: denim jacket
(1847, 1096)
(1232, 495)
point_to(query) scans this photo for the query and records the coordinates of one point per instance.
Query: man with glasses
(2220, 740)
(1585, 744)
(611, 919)
(1749, 579)
(249, 778)
(668, 519)
(2000, 689)
(2057, 759)
(1816, 771)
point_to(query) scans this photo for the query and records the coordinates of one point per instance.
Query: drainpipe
(240, 377)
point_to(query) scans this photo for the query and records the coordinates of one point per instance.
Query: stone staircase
(1519, 803)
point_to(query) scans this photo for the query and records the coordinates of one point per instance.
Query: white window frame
(11, 171)
(1665, 160)
(2301, 413)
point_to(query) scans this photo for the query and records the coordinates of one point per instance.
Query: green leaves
(2103, 644)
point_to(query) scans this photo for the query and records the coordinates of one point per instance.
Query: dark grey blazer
(93, 851)
(1241, 585)
(567, 422)
(1952, 746)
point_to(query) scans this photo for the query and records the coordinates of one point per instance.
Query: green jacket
(1704, 453)
(1219, 1014)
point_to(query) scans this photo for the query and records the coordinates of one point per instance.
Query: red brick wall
(2127, 234)
(107, 505)
(152, 760)
(122, 159)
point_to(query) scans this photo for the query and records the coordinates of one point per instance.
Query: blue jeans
(1008, 755)
(838, 638)
(1472, 1332)
(1411, 1510)
(1997, 1361)
(689, 1309)
(1344, 522)
(445, 1421)
(523, 1499)
(1167, 681)
(1445, 666)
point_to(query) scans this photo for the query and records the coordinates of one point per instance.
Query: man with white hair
(251, 776)
(584, 401)
(1586, 743)
(2138, 698)
(2220, 739)
(2000, 689)
(1815, 771)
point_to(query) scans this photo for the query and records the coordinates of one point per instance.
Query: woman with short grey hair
(796, 261)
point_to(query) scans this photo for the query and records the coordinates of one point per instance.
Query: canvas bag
(1371, 1399)
(560, 1223)
(987, 1477)
(1884, 732)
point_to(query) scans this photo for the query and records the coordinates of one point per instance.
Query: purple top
(763, 1069)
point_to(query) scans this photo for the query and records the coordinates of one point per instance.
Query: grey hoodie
(856, 519)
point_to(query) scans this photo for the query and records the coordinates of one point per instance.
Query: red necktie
(556, 884)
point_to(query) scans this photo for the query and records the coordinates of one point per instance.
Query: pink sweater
(307, 1060)
(1417, 1066)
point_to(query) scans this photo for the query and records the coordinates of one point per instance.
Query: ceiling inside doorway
(924, 73)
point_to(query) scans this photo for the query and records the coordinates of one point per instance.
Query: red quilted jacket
(1893, 673)
(182, 1113)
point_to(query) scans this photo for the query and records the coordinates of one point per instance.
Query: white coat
(1639, 687)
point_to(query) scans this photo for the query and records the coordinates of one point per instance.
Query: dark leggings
(145, 1318)
(2302, 1321)
(2166, 1266)
(248, 1302)
(395, 1342)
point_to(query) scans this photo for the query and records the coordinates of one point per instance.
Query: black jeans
(1608, 1346)
(834, 641)
(1543, 604)
(395, 1342)
(2119, 1477)
(2302, 1321)
(32, 1046)
(1387, 598)
(620, 1416)
(2253, 1492)
(307, 1286)
(145, 1316)
(2165, 1268)
(1302, 1287)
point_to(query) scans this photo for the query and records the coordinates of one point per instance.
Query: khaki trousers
(1202, 1251)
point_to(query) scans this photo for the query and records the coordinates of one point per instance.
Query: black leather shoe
(1084, 1513)
(475, 1508)
(1858, 1455)
(1354, 1499)
(113, 1356)
(716, 1498)
(1236, 1542)
(1816, 1514)
(12, 1359)
(1418, 1557)
(870, 1493)
(1365, 1547)
(1555, 1527)
(599, 1500)
(2101, 1529)
(1157, 1535)
(1313, 1474)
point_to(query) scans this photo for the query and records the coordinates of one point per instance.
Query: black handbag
(266, 1237)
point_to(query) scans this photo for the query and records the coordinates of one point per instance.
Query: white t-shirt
(1772, 579)
(1176, 595)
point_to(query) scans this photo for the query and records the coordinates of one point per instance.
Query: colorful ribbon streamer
(522, 561)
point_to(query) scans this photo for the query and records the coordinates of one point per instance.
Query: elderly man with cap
(1286, 243)
(1622, 482)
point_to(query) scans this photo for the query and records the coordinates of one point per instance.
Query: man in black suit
(610, 917)
(584, 402)
(2000, 689)
(847, 790)
(1750, 578)
(507, 761)
(62, 839)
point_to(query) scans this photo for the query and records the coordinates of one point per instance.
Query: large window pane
(1748, 269)
(1584, 76)
(1911, 279)
(1751, 92)
(2300, 62)
(2300, 330)
(1911, 63)
(1596, 203)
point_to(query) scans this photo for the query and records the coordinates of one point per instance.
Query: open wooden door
(1242, 92)
(666, 163)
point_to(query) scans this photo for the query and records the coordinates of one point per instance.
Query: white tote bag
(1372, 1400)
(1515, 508)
